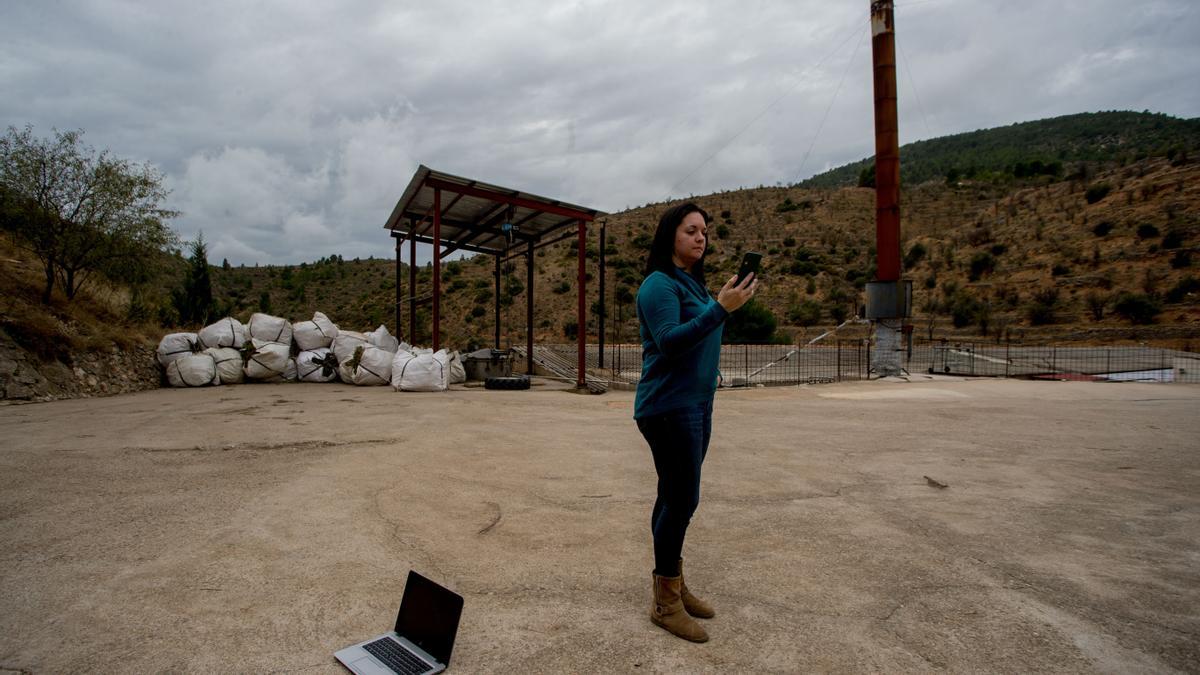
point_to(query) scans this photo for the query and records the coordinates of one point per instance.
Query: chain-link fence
(844, 360)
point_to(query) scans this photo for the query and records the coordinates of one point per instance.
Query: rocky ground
(26, 377)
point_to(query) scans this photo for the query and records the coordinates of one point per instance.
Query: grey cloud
(289, 130)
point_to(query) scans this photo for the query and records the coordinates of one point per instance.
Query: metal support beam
(581, 315)
(412, 288)
(529, 310)
(400, 282)
(497, 300)
(437, 268)
(603, 309)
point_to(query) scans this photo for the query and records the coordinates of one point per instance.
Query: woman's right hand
(733, 296)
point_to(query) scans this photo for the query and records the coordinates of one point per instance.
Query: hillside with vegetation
(1106, 257)
(1105, 252)
(1053, 147)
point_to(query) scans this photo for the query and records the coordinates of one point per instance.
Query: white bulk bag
(268, 360)
(319, 332)
(404, 346)
(290, 373)
(175, 346)
(229, 364)
(193, 370)
(458, 372)
(380, 337)
(421, 372)
(269, 328)
(345, 343)
(317, 365)
(228, 332)
(369, 366)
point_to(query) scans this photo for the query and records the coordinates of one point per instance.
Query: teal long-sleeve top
(681, 327)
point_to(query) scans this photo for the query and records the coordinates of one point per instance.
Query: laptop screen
(429, 616)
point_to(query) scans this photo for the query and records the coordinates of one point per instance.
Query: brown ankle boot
(667, 611)
(694, 606)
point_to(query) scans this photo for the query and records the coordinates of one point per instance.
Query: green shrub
(964, 310)
(1097, 192)
(753, 323)
(803, 267)
(1183, 289)
(807, 313)
(1146, 231)
(1102, 228)
(1138, 308)
(1043, 308)
(981, 263)
(915, 254)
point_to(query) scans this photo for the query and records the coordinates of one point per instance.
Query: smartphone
(750, 263)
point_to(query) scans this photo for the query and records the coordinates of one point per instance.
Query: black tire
(507, 383)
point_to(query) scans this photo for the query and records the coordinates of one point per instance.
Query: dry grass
(94, 320)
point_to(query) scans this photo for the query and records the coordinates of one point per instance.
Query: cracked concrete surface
(260, 528)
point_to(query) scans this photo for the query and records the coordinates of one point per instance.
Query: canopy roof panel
(474, 213)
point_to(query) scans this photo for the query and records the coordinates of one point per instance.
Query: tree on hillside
(752, 324)
(78, 211)
(194, 300)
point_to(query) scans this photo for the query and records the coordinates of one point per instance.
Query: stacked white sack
(269, 328)
(380, 337)
(317, 365)
(228, 332)
(426, 371)
(458, 372)
(268, 360)
(229, 364)
(193, 370)
(291, 373)
(369, 366)
(175, 346)
(319, 332)
(346, 342)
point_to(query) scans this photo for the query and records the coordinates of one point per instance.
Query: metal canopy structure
(453, 213)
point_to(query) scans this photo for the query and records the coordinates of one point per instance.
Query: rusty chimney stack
(889, 299)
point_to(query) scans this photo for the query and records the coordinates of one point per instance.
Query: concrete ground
(259, 528)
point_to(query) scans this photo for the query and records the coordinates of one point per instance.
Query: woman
(681, 343)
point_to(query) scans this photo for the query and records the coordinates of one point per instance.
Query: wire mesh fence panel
(1116, 363)
(845, 360)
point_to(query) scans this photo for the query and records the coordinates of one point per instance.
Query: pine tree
(195, 300)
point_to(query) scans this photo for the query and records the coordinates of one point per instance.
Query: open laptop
(422, 640)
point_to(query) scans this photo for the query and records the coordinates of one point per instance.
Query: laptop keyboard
(396, 657)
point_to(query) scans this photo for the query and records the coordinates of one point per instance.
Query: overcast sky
(288, 130)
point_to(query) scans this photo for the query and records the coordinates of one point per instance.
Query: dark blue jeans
(679, 441)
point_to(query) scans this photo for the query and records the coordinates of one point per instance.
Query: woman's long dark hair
(664, 241)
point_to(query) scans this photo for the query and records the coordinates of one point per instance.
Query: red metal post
(437, 267)
(399, 284)
(581, 316)
(887, 143)
(412, 284)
